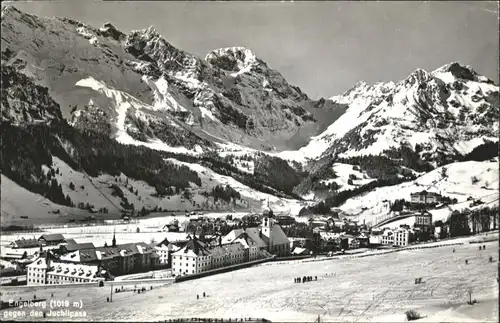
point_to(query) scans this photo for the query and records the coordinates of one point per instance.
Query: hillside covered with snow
(460, 181)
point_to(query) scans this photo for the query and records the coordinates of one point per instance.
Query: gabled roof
(73, 246)
(27, 243)
(278, 236)
(246, 240)
(38, 263)
(255, 235)
(195, 247)
(52, 237)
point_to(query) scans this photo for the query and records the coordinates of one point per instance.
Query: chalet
(25, 243)
(299, 242)
(425, 197)
(363, 239)
(299, 251)
(353, 243)
(171, 228)
(51, 239)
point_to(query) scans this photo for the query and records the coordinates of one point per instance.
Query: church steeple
(113, 243)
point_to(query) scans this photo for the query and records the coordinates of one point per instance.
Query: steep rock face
(231, 94)
(24, 102)
(59, 52)
(234, 94)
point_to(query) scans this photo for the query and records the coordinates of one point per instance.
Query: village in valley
(185, 163)
(217, 243)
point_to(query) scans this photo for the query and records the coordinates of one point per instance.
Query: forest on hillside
(86, 151)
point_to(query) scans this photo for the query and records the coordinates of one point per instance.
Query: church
(269, 236)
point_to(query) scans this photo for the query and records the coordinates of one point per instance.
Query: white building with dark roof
(193, 258)
(197, 256)
(45, 272)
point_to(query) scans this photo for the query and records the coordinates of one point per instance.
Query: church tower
(267, 228)
(113, 243)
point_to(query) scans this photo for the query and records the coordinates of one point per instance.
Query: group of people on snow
(305, 279)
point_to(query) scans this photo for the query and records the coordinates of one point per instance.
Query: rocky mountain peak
(232, 59)
(418, 76)
(462, 72)
(108, 30)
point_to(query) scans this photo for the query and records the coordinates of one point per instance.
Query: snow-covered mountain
(398, 131)
(230, 95)
(447, 112)
(125, 121)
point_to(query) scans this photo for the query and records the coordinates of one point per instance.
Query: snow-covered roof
(277, 235)
(39, 263)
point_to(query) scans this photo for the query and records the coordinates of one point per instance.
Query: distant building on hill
(425, 197)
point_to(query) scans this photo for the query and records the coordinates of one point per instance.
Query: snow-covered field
(99, 234)
(17, 201)
(378, 288)
(374, 206)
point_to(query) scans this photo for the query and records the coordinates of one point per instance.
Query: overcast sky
(323, 47)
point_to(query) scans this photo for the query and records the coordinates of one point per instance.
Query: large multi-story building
(402, 237)
(198, 256)
(423, 220)
(165, 249)
(43, 271)
(388, 237)
(118, 260)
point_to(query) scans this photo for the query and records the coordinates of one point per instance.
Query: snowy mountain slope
(228, 113)
(399, 131)
(128, 114)
(259, 200)
(98, 191)
(446, 112)
(18, 202)
(462, 180)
